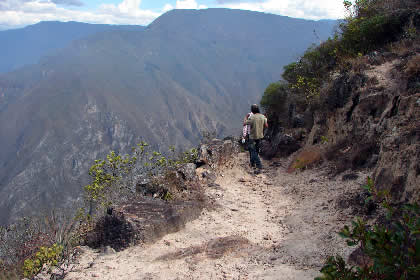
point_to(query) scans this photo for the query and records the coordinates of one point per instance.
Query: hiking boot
(257, 171)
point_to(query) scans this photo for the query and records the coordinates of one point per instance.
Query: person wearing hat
(257, 123)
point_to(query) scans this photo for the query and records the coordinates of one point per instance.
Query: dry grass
(413, 66)
(305, 159)
(23, 240)
(359, 64)
(372, 81)
(9, 275)
(404, 47)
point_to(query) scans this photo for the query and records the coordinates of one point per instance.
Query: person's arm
(265, 123)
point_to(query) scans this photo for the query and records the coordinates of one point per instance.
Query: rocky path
(269, 226)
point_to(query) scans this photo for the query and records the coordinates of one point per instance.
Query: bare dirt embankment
(274, 225)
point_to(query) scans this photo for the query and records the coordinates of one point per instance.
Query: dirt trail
(269, 226)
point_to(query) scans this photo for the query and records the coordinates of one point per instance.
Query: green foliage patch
(275, 99)
(49, 256)
(391, 249)
(107, 186)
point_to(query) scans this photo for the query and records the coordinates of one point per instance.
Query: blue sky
(19, 13)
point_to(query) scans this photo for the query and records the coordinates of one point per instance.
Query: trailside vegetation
(390, 250)
(46, 242)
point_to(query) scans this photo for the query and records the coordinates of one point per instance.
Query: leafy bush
(113, 178)
(362, 35)
(373, 23)
(302, 82)
(275, 100)
(49, 256)
(392, 249)
(306, 76)
(107, 172)
(20, 242)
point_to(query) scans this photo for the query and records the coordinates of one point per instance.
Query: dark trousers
(254, 149)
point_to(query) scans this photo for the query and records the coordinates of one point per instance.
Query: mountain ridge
(27, 45)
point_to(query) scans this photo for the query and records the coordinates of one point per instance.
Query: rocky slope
(371, 119)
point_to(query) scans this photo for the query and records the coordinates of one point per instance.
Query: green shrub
(49, 256)
(306, 76)
(362, 35)
(373, 23)
(392, 247)
(106, 175)
(109, 183)
(275, 99)
(21, 241)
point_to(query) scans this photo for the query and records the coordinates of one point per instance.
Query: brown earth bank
(275, 225)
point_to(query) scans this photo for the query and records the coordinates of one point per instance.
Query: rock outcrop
(379, 127)
(148, 218)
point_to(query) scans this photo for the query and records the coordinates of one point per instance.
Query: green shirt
(257, 122)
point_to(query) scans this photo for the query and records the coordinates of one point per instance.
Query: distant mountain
(27, 45)
(188, 71)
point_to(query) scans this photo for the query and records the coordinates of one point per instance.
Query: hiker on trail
(257, 122)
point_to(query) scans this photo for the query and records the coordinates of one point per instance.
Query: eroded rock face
(217, 152)
(142, 221)
(378, 126)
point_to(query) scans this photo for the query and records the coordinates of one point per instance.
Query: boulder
(217, 152)
(142, 221)
(280, 145)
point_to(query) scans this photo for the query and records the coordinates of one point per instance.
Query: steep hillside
(360, 108)
(27, 45)
(188, 71)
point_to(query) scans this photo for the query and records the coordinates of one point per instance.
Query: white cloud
(15, 13)
(308, 9)
(167, 7)
(189, 4)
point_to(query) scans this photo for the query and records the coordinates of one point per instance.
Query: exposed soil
(274, 225)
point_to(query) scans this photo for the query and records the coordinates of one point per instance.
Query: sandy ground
(273, 225)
